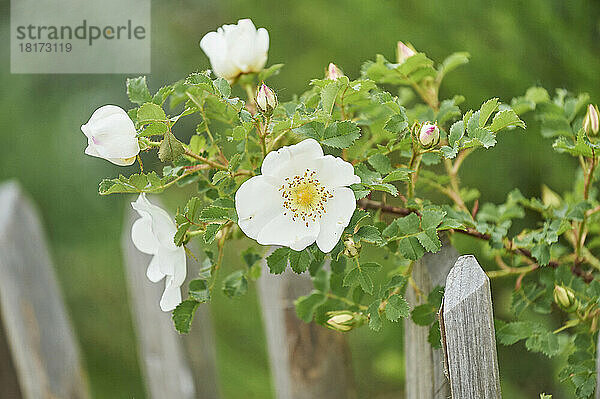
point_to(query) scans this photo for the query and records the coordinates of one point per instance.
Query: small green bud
(333, 72)
(591, 122)
(344, 320)
(565, 298)
(266, 100)
(351, 248)
(429, 135)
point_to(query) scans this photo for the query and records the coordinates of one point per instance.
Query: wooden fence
(39, 356)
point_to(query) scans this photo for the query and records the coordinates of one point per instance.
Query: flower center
(304, 197)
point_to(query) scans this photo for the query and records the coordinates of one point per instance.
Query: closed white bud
(266, 100)
(565, 298)
(591, 122)
(429, 135)
(344, 320)
(404, 52)
(333, 72)
(111, 135)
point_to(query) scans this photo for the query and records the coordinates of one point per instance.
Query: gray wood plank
(174, 366)
(308, 361)
(468, 331)
(36, 329)
(425, 377)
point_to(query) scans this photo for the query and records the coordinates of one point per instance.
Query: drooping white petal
(171, 296)
(334, 172)
(261, 46)
(257, 202)
(153, 272)
(163, 227)
(338, 213)
(142, 236)
(277, 162)
(282, 230)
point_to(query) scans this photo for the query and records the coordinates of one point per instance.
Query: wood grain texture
(468, 331)
(39, 346)
(174, 365)
(425, 377)
(307, 360)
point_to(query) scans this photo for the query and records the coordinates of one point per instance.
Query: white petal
(163, 227)
(142, 236)
(153, 272)
(173, 264)
(171, 297)
(334, 172)
(261, 47)
(282, 230)
(215, 47)
(277, 162)
(339, 210)
(257, 202)
(122, 161)
(111, 133)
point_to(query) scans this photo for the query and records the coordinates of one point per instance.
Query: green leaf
(484, 137)
(278, 260)
(375, 322)
(223, 87)
(506, 118)
(154, 129)
(299, 260)
(211, 232)
(431, 218)
(341, 134)
(453, 61)
(429, 240)
(396, 308)
(137, 90)
(170, 148)
(306, 305)
(369, 234)
(456, 132)
(184, 314)
(198, 290)
(215, 213)
(400, 174)
(397, 124)
(136, 183)
(486, 110)
(423, 315)
(435, 336)
(360, 277)
(150, 112)
(380, 163)
(235, 284)
(328, 96)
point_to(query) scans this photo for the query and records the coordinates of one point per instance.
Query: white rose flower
(111, 135)
(301, 197)
(153, 234)
(236, 49)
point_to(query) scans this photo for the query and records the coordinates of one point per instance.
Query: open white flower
(111, 135)
(301, 197)
(153, 234)
(236, 49)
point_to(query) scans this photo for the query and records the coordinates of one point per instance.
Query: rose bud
(565, 298)
(333, 72)
(429, 135)
(344, 320)
(404, 52)
(591, 123)
(266, 100)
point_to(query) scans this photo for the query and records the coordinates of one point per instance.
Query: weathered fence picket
(174, 366)
(307, 361)
(425, 377)
(39, 355)
(468, 335)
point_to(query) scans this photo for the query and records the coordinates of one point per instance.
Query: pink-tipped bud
(591, 122)
(333, 72)
(266, 100)
(404, 52)
(429, 135)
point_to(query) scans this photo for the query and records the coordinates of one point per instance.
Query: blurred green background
(514, 45)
